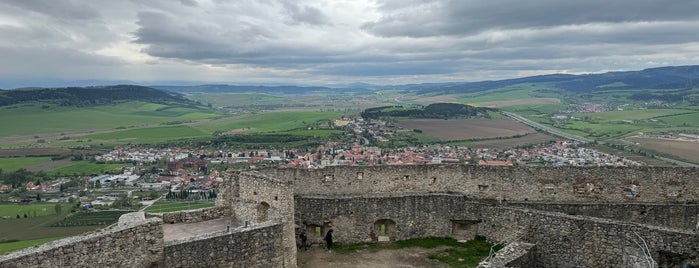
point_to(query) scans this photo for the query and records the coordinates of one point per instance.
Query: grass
(33, 210)
(8, 247)
(15, 163)
(167, 206)
(149, 135)
(313, 132)
(456, 254)
(85, 167)
(239, 99)
(30, 119)
(91, 218)
(631, 114)
(266, 122)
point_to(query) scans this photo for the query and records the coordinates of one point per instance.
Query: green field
(313, 132)
(15, 163)
(32, 118)
(167, 206)
(148, 135)
(632, 114)
(239, 99)
(14, 246)
(86, 168)
(33, 210)
(265, 122)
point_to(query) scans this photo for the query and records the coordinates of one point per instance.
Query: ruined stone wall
(561, 240)
(258, 245)
(580, 241)
(255, 198)
(133, 244)
(680, 216)
(353, 219)
(194, 215)
(563, 184)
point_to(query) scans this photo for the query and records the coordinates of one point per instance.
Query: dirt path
(317, 257)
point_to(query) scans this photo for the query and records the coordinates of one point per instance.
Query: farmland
(466, 129)
(503, 144)
(684, 149)
(36, 227)
(85, 167)
(14, 163)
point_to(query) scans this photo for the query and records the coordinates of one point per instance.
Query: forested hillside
(83, 96)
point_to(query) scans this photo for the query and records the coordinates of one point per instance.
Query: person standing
(329, 239)
(304, 240)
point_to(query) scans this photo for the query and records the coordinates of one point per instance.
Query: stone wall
(561, 240)
(580, 241)
(258, 245)
(132, 244)
(194, 215)
(680, 216)
(254, 198)
(564, 184)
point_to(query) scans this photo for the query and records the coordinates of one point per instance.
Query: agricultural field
(32, 119)
(35, 227)
(169, 206)
(238, 99)
(147, 135)
(6, 247)
(507, 143)
(466, 129)
(92, 218)
(265, 122)
(85, 168)
(687, 150)
(33, 210)
(15, 163)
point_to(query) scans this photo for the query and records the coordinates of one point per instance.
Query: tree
(58, 208)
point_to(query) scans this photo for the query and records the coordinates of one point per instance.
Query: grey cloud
(464, 17)
(58, 9)
(305, 14)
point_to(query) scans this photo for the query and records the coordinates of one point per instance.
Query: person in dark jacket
(304, 240)
(329, 239)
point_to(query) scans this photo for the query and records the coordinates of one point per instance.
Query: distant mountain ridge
(672, 77)
(219, 88)
(81, 96)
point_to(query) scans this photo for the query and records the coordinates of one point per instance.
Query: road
(549, 130)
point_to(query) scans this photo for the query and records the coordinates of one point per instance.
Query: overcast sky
(337, 41)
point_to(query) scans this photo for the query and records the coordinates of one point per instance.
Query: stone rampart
(255, 198)
(133, 244)
(194, 215)
(258, 245)
(561, 240)
(562, 184)
(679, 216)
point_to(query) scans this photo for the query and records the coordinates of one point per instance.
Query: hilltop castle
(548, 217)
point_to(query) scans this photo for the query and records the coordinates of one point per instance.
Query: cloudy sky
(337, 41)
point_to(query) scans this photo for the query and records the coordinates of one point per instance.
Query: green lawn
(85, 167)
(633, 115)
(239, 99)
(15, 163)
(167, 206)
(312, 133)
(684, 120)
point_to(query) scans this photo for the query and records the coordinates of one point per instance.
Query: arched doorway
(262, 209)
(384, 230)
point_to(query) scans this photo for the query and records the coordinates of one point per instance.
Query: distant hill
(673, 77)
(289, 90)
(82, 96)
(435, 110)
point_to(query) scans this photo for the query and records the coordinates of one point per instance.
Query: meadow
(85, 168)
(30, 119)
(15, 163)
(466, 129)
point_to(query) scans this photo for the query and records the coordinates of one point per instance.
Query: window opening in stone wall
(328, 179)
(630, 191)
(550, 189)
(360, 175)
(318, 231)
(262, 210)
(434, 180)
(384, 230)
(673, 191)
(276, 198)
(406, 177)
(464, 230)
(482, 187)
